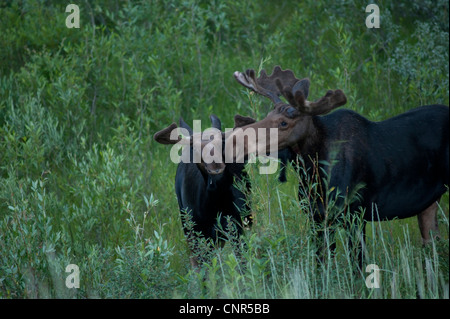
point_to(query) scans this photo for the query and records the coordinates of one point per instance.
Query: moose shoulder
(401, 164)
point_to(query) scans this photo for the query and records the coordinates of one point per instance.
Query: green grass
(82, 181)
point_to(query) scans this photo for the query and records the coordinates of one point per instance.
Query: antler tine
(269, 86)
(331, 100)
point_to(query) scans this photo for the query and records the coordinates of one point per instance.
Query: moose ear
(169, 135)
(215, 122)
(184, 125)
(240, 120)
(302, 86)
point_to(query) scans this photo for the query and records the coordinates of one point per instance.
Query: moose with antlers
(399, 166)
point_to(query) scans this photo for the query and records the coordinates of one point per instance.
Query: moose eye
(283, 124)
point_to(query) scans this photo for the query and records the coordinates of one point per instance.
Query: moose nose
(215, 171)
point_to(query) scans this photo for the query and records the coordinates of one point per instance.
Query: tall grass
(280, 261)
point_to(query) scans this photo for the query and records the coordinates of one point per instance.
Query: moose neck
(311, 145)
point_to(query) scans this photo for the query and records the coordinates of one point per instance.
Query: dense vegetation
(82, 181)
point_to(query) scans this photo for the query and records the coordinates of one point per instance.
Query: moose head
(206, 147)
(292, 119)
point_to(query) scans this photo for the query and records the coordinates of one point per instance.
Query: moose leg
(199, 249)
(428, 223)
(194, 257)
(326, 245)
(357, 235)
(234, 231)
(194, 263)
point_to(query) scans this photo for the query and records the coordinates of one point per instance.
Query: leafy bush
(143, 271)
(424, 72)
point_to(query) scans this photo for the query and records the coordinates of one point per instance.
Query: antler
(269, 86)
(294, 90)
(325, 104)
